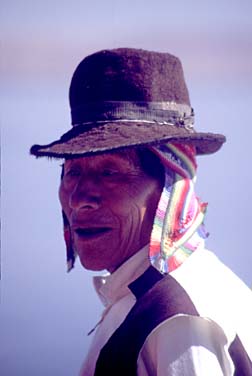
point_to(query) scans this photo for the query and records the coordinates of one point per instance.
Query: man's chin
(93, 265)
(94, 258)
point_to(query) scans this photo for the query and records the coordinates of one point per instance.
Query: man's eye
(107, 172)
(73, 173)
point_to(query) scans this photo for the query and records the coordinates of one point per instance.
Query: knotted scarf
(178, 228)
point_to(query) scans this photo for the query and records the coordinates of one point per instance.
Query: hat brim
(84, 140)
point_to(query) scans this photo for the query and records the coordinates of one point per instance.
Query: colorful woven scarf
(178, 228)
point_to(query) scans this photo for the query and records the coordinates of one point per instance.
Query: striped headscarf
(178, 228)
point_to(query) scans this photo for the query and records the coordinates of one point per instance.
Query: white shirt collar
(112, 287)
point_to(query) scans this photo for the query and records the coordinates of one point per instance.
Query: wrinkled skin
(110, 205)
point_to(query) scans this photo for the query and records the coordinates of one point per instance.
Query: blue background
(45, 312)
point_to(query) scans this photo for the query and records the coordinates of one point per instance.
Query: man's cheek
(121, 211)
(61, 197)
(65, 206)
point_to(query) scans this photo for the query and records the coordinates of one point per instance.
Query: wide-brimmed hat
(128, 97)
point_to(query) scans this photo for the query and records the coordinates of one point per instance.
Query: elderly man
(129, 206)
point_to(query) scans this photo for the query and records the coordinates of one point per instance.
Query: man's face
(110, 204)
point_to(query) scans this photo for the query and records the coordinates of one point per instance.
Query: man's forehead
(129, 155)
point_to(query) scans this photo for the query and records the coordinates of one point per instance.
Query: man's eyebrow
(122, 162)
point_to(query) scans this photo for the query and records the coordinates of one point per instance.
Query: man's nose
(86, 195)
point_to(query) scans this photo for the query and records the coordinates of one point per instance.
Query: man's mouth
(91, 232)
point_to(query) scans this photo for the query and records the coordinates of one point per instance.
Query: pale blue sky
(46, 313)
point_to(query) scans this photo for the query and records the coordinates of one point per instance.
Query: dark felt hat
(128, 97)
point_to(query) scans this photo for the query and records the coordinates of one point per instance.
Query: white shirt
(184, 344)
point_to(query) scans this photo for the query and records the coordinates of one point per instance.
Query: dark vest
(158, 298)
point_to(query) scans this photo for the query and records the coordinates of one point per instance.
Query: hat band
(180, 115)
